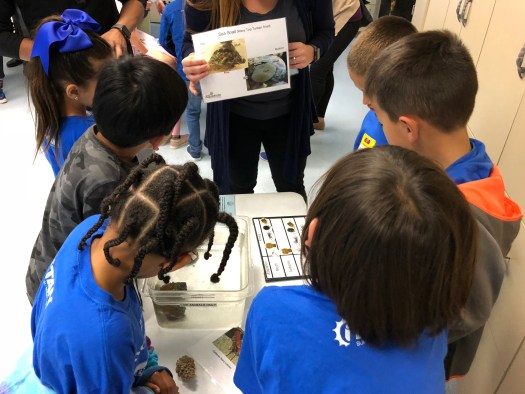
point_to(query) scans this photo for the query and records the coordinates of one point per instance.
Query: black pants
(2, 75)
(322, 71)
(246, 136)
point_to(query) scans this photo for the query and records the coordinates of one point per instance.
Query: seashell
(263, 72)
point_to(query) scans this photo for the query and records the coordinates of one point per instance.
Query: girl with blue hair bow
(66, 58)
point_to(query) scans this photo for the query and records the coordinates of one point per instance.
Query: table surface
(170, 344)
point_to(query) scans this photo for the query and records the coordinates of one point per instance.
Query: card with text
(244, 60)
(279, 240)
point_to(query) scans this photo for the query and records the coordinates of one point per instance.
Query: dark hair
(430, 75)
(136, 99)
(378, 35)
(47, 91)
(394, 247)
(165, 210)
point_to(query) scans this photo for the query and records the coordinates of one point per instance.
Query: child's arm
(488, 276)
(155, 376)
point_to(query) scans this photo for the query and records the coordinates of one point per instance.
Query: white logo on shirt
(49, 280)
(344, 336)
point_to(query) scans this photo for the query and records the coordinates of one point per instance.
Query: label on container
(227, 204)
(203, 304)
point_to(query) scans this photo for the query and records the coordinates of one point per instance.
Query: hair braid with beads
(164, 209)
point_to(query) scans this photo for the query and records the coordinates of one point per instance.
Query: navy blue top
(318, 22)
(271, 105)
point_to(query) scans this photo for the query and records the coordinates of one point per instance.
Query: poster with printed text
(244, 60)
(279, 240)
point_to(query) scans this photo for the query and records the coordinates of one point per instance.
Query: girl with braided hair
(87, 322)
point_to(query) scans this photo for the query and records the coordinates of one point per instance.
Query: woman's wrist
(316, 53)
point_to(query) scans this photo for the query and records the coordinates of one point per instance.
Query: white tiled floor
(26, 181)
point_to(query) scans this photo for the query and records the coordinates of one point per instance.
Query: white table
(170, 344)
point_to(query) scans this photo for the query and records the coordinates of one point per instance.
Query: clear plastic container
(207, 305)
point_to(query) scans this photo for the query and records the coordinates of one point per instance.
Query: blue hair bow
(66, 35)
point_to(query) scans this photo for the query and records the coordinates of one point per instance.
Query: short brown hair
(394, 246)
(377, 36)
(430, 75)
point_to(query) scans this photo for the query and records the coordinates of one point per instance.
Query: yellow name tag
(367, 142)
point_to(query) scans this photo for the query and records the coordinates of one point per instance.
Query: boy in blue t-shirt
(377, 36)
(422, 89)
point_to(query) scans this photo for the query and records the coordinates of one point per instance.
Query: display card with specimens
(279, 240)
(244, 60)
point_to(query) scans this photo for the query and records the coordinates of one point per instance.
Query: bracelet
(126, 34)
(123, 30)
(317, 53)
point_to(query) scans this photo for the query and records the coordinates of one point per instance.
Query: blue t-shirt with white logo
(295, 342)
(85, 340)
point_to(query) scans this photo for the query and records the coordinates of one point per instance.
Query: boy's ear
(157, 141)
(72, 91)
(412, 126)
(311, 230)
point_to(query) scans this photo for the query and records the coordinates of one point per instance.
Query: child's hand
(161, 382)
(195, 70)
(300, 55)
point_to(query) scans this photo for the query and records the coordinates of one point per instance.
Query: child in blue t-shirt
(423, 90)
(377, 36)
(171, 34)
(65, 61)
(381, 291)
(87, 322)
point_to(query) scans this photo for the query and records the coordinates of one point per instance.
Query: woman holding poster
(281, 120)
